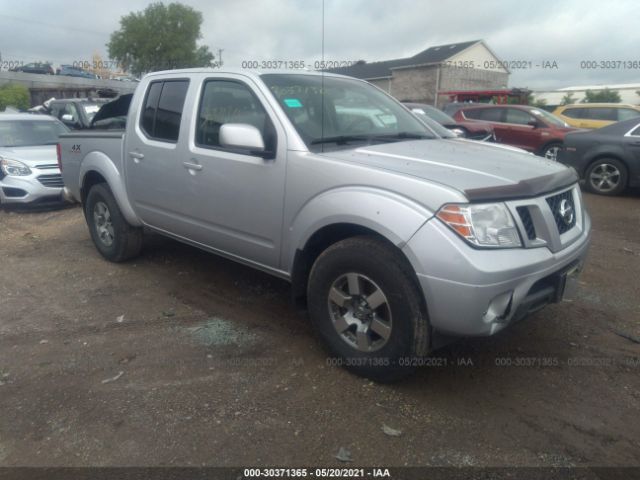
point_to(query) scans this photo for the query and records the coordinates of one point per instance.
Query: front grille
(53, 181)
(564, 211)
(527, 221)
(48, 166)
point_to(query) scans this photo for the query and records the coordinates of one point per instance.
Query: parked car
(607, 159)
(75, 113)
(472, 130)
(393, 235)
(596, 115)
(529, 128)
(29, 171)
(71, 71)
(35, 67)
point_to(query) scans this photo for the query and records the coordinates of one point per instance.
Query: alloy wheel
(360, 312)
(605, 177)
(102, 222)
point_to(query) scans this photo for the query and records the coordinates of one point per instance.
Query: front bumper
(30, 189)
(476, 292)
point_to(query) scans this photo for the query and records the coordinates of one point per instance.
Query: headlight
(483, 225)
(14, 167)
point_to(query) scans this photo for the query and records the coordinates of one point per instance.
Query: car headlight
(14, 167)
(483, 225)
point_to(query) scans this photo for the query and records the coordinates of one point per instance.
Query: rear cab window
(162, 109)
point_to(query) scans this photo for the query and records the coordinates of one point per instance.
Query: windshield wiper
(402, 136)
(341, 139)
(383, 137)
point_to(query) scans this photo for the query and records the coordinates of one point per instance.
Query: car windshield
(433, 124)
(90, 109)
(438, 115)
(552, 119)
(349, 113)
(24, 133)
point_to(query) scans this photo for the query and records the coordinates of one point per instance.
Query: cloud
(566, 32)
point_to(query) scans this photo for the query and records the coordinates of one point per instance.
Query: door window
(627, 113)
(596, 113)
(163, 108)
(575, 113)
(228, 101)
(518, 117)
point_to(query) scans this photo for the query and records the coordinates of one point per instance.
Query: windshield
(438, 115)
(432, 124)
(25, 133)
(350, 112)
(90, 110)
(549, 117)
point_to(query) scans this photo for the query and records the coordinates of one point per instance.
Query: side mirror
(533, 123)
(68, 118)
(241, 135)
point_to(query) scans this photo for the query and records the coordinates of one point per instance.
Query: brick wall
(415, 84)
(419, 84)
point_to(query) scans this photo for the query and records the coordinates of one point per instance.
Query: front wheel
(365, 304)
(114, 238)
(606, 176)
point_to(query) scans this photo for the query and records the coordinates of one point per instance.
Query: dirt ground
(184, 358)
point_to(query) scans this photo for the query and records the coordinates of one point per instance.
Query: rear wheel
(606, 176)
(550, 151)
(366, 306)
(114, 238)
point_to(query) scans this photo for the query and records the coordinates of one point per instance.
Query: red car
(529, 128)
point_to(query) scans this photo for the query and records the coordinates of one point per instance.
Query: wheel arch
(614, 156)
(98, 168)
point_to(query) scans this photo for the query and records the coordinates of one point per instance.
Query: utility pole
(220, 50)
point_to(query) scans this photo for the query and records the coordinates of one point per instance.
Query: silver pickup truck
(395, 237)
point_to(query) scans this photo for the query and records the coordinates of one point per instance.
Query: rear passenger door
(233, 198)
(493, 115)
(153, 153)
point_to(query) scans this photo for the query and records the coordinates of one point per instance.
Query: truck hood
(31, 156)
(480, 170)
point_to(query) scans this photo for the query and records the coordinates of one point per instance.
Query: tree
(162, 37)
(601, 96)
(16, 96)
(538, 103)
(568, 99)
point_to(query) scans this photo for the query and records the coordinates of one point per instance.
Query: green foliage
(568, 99)
(162, 37)
(538, 103)
(16, 96)
(601, 96)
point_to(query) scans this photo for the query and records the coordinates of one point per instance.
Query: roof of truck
(241, 71)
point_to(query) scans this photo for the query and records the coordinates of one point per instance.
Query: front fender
(100, 163)
(391, 215)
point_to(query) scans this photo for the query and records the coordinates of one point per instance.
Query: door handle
(136, 155)
(192, 166)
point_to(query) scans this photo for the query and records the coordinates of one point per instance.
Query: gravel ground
(184, 358)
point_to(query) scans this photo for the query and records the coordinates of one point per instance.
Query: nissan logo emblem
(566, 212)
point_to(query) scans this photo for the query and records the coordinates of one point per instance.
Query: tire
(606, 176)
(390, 350)
(550, 151)
(114, 238)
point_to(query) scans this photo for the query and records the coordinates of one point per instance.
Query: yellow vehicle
(596, 115)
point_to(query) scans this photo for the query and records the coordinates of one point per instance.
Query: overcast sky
(564, 31)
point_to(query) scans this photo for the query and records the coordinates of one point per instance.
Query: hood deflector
(525, 188)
